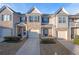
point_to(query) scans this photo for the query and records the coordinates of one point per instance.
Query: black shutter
(30, 19)
(10, 18)
(38, 18)
(2, 17)
(20, 19)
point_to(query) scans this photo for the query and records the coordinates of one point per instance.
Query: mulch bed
(52, 47)
(48, 41)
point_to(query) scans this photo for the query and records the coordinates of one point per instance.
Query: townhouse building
(59, 25)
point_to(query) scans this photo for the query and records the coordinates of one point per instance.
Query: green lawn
(76, 41)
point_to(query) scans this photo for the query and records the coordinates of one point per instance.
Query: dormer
(34, 10)
(33, 15)
(61, 11)
(6, 13)
(62, 18)
(6, 10)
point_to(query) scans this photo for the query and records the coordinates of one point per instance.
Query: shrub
(48, 41)
(11, 39)
(76, 41)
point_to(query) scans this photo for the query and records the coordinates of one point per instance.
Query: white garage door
(33, 33)
(62, 35)
(6, 32)
(77, 31)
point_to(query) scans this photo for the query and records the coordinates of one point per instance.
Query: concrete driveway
(31, 46)
(74, 49)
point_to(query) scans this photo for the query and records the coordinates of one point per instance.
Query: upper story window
(62, 19)
(6, 17)
(45, 20)
(22, 19)
(34, 18)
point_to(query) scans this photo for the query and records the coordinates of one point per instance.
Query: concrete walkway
(70, 46)
(31, 46)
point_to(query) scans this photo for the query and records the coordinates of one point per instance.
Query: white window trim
(33, 18)
(6, 17)
(61, 19)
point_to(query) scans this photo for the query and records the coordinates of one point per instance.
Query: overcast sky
(49, 8)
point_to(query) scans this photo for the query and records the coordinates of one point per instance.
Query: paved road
(31, 46)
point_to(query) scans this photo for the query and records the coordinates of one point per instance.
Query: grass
(48, 41)
(76, 41)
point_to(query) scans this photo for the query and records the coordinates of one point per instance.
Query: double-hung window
(62, 19)
(22, 19)
(6, 17)
(45, 20)
(34, 18)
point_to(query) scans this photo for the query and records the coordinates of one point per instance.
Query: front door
(21, 31)
(45, 32)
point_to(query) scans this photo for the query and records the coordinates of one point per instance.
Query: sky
(47, 8)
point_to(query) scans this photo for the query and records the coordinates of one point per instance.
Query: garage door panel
(62, 35)
(78, 31)
(6, 32)
(33, 33)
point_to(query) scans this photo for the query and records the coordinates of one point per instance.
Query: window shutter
(38, 18)
(48, 20)
(25, 19)
(2, 17)
(30, 18)
(10, 18)
(20, 19)
(0, 32)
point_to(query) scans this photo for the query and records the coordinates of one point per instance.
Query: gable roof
(32, 9)
(4, 7)
(21, 24)
(61, 9)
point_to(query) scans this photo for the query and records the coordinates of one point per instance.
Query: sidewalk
(70, 46)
